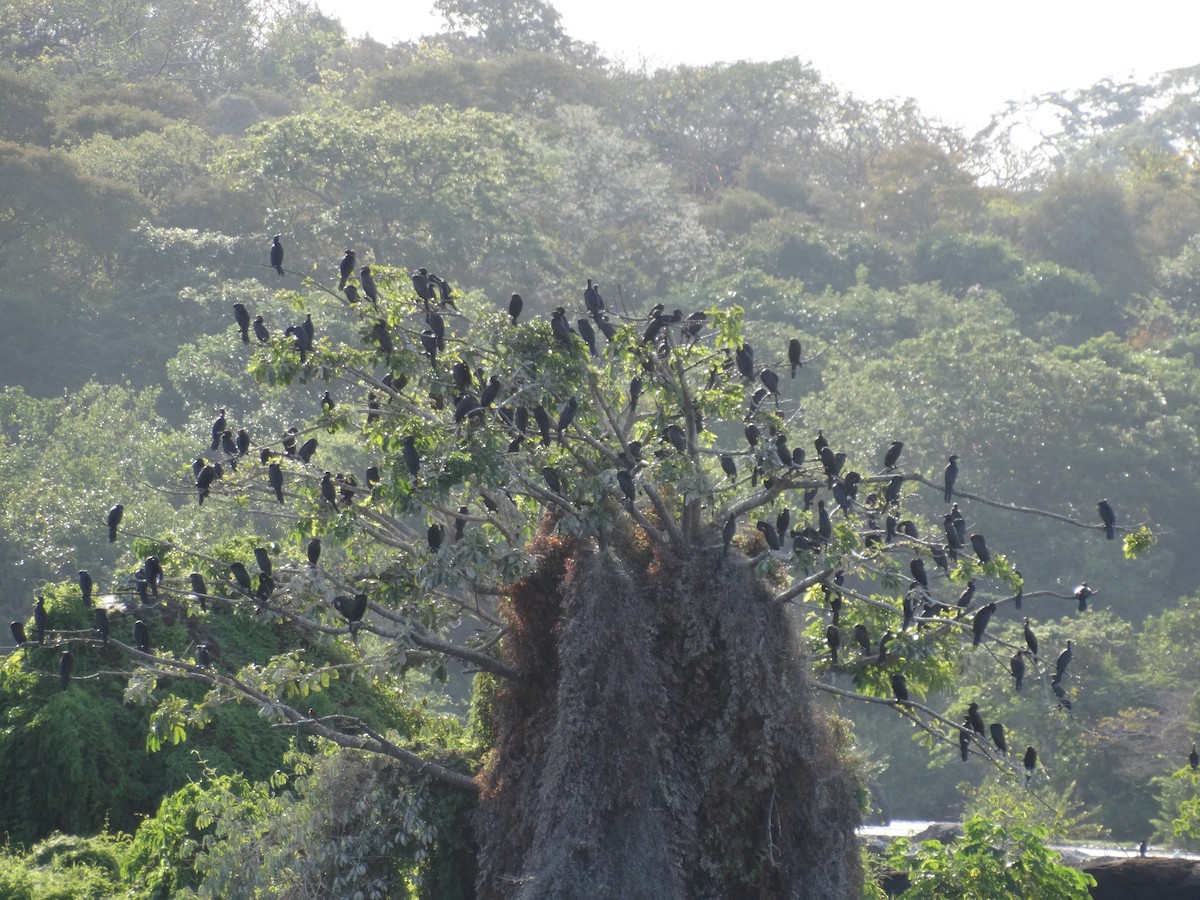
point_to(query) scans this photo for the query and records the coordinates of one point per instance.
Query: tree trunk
(662, 741)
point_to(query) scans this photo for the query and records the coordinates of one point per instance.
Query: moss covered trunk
(663, 741)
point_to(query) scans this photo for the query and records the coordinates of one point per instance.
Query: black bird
(588, 334)
(1109, 518)
(997, 731)
(154, 573)
(114, 520)
(434, 535)
(900, 687)
(782, 521)
(372, 476)
(18, 633)
(964, 599)
(241, 576)
(917, 567)
(1061, 693)
(242, 316)
(199, 589)
(218, 428)
(625, 481)
(1017, 665)
(1081, 593)
(980, 623)
(460, 523)
(824, 525)
(203, 660)
(797, 457)
(141, 636)
(85, 586)
(979, 545)
(553, 479)
(352, 609)
(592, 300)
(461, 373)
(65, 663)
(100, 623)
(782, 450)
(327, 404)
(383, 337)
(310, 331)
(892, 456)
(314, 551)
(411, 460)
(676, 437)
(770, 535)
(940, 559)
(964, 743)
(307, 449)
(275, 479)
(328, 489)
(752, 435)
(346, 268)
(771, 382)
(953, 539)
(204, 481)
(543, 423)
(692, 325)
(1061, 664)
(41, 619)
(744, 358)
(260, 330)
(727, 533)
(951, 476)
(1020, 589)
(367, 280)
(819, 442)
(883, 643)
(263, 559)
(908, 527)
(794, 355)
(1194, 758)
(438, 326)
(266, 587)
(289, 442)
(862, 637)
(1030, 762)
(907, 607)
(515, 305)
(228, 447)
(277, 254)
(566, 416)
(975, 720)
(241, 442)
(351, 292)
(1030, 638)
(729, 466)
(833, 637)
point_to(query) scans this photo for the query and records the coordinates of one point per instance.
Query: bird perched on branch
(1109, 518)
(346, 268)
(277, 254)
(950, 476)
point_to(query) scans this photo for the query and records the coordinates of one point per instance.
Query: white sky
(961, 60)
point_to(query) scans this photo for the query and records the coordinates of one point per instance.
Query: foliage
(989, 860)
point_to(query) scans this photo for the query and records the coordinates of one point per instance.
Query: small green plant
(987, 862)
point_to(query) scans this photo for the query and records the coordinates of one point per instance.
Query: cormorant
(727, 533)
(1109, 518)
(515, 305)
(771, 382)
(367, 280)
(204, 481)
(940, 559)
(1061, 664)
(782, 450)
(114, 520)
(260, 330)
(824, 525)
(744, 358)
(65, 663)
(862, 637)
(154, 573)
(307, 449)
(41, 619)
(543, 423)
(100, 622)
(1194, 758)
(892, 456)
(729, 466)
(202, 658)
(997, 731)
(592, 300)
(566, 416)
(411, 460)
(625, 481)
(199, 589)
(917, 567)
(964, 599)
(241, 576)
(438, 326)
(1061, 693)
(351, 292)
(900, 687)
(794, 355)
(1081, 593)
(275, 480)
(975, 720)
(833, 637)
(979, 545)
(588, 334)
(277, 254)
(141, 636)
(434, 535)
(18, 633)
(346, 269)
(241, 442)
(770, 535)
(980, 623)
(752, 435)
(964, 743)
(328, 490)
(263, 559)
(314, 551)
(1030, 762)
(553, 479)
(242, 315)
(218, 427)
(85, 586)
(1017, 665)
(951, 476)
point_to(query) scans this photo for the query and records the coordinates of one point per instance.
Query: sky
(960, 60)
